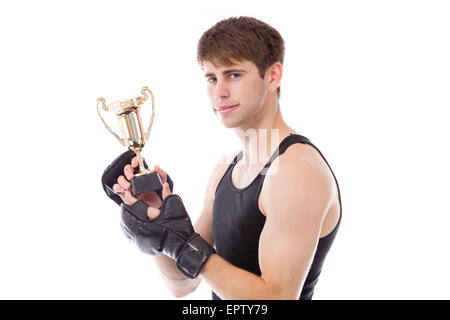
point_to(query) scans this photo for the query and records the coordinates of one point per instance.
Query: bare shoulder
(300, 170)
(302, 158)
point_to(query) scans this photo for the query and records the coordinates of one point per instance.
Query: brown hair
(241, 38)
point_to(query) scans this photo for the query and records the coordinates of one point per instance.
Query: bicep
(285, 256)
(290, 235)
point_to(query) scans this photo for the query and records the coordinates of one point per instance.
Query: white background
(367, 81)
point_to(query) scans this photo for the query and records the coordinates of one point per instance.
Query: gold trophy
(133, 136)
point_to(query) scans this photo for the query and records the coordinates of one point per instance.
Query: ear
(274, 74)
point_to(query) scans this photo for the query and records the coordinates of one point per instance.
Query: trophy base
(146, 183)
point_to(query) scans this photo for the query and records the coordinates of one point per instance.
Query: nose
(221, 91)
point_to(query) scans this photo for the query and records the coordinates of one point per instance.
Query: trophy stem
(141, 163)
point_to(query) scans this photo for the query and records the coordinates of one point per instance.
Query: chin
(228, 124)
(231, 123)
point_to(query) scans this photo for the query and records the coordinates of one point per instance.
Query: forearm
(230, 282)
(177, 282)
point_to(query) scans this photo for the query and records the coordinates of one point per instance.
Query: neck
(262, 137)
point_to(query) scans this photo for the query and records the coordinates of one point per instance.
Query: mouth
(226, 109)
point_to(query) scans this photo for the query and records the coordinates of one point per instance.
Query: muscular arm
(296, 200)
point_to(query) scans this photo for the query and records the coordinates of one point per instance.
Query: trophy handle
(145, 97)
(102, 101)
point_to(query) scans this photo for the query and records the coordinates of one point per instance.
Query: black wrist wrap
(171, 233)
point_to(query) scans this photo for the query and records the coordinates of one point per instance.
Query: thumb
(166, 190)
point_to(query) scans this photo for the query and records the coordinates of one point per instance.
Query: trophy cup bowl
(134, 137)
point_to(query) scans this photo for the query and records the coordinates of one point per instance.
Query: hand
(123, 188)
(170, 232)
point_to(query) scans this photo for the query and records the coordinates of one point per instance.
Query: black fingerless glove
(171, 233)
(115, 169)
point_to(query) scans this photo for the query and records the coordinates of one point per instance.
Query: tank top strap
(285, 143)
(235, 160)
(291, 139)
(288, 141)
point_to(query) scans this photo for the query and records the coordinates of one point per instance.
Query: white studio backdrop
(367, 81)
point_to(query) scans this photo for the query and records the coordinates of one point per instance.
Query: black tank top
(237, 221)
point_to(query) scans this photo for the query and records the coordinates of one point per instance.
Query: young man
(268, 221)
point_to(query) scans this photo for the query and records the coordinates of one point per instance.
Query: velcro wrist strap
(193, 256)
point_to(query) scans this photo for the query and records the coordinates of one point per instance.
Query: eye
(234, 75)
(211, 80)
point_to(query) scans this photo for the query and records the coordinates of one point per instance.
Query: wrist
(193, 255)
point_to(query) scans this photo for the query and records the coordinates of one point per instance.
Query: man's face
(237, 93)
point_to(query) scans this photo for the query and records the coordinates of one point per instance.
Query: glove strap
(193, 255)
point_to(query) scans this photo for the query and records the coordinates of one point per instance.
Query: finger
(152, 213)
(128, 171)
(120, 191)
(158, 168)
(161, 172)
(129, 199)
(166, 190)
(134, 162)
(118, 188)
(123, 182)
